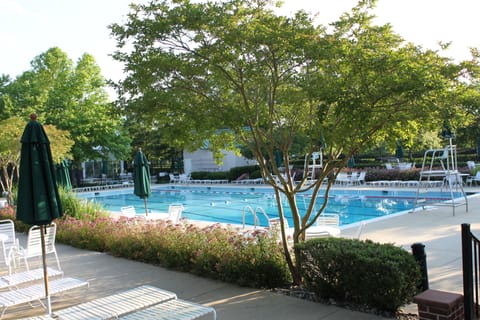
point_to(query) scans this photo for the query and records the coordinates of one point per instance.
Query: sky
(30, 27)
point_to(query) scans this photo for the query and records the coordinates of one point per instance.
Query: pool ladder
(249, 209)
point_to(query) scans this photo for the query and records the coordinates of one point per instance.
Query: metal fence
(471, 270)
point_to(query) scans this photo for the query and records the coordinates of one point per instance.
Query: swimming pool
(228, 204)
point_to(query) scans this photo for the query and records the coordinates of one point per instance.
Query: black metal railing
(471, 268)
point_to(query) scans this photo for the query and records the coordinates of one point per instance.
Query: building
(202, 160)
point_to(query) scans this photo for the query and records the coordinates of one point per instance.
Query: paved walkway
(438, 229)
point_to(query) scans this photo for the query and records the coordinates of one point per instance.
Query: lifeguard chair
(439, 170)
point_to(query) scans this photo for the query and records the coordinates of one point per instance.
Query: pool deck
(438, 229)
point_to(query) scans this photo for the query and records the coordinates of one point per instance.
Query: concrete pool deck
(438, 229)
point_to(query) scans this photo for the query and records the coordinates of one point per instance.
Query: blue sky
(30, 27)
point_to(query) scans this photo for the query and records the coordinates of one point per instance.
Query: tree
(268, 80)
(74, 99)
(10, 135)
(10, 146)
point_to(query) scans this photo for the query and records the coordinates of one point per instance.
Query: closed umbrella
(63, 176)
(351, 162)
(38, 198)
(141, 177)
(399, 151)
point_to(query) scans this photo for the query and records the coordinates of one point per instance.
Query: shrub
(253, 172)
(379, 276)
(384, 174)
(208, 175)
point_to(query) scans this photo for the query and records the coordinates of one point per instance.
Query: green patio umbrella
(399, 151)
(38, 200)
(63, 175)
(351, 162)
(141, 177)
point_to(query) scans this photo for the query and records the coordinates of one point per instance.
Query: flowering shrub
(253, 259)
(9, 212)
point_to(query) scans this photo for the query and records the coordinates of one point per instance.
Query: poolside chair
(327, 225)
(34, 245)
(9, 243)
(360, 178)
(471, 165)
(328, 219)
(128, 212)
(175, 212)
(184, 178)
(173, 178)
(343, 179)
(471, 179)
(327, 228)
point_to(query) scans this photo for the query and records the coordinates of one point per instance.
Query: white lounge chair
(172, 310)
(34, 244)
(9, 243)
(37, 292)
(20, 278)
(324, 229)
(144, 302)
(113, 306)
(327, 225)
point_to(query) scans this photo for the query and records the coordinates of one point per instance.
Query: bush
(253, 172)
(379, 276)
(209, 175)
(384, 174)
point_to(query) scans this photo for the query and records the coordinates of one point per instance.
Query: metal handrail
(471, 271)
(256, 221)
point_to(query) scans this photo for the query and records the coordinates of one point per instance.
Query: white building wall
(202, 160)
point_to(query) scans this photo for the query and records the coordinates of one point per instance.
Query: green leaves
(277, 84)
(72, 98)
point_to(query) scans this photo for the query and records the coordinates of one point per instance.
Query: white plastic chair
(471, 179)
(471, 165)
(175, 212)
(34, 244)
(9, 242)
(328, 219)
(128, 211)
(173, 178)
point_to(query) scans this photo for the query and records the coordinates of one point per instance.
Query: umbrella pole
(45, 272)
(145, 202)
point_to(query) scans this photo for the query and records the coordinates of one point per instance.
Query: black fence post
(467, 263)
(418, 251)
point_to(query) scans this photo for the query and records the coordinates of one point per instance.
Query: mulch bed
(306, 295)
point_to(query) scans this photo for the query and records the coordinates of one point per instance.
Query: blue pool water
(227, 204)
